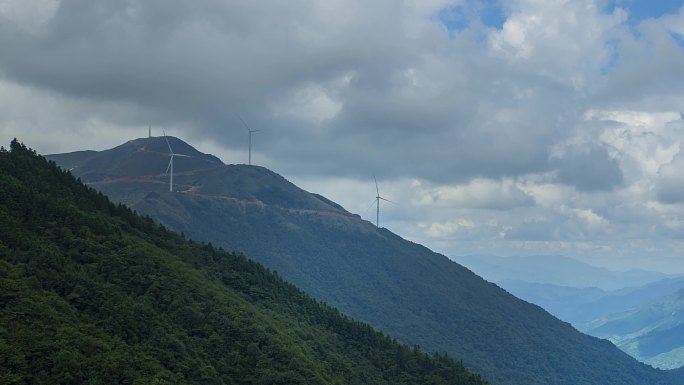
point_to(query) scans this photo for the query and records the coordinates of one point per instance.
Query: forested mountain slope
(91, 293)
(581, 306)
(653, 333)
(371, 274)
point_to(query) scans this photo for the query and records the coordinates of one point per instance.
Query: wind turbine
(170, 166)
(376, 202)
(250, 138)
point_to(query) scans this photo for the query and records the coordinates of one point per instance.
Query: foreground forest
(92, 293)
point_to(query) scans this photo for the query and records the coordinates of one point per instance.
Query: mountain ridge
(556, 270)
(93, 293)
(651, 332)
(602, 313)
(371, 274)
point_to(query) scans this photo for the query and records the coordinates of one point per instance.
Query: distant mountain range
(653, 333)
(555, 270)
(580, 306)
(645, 320)
(369, 273)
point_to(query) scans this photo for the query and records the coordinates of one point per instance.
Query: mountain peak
(135, 158)
(159, 145)
(139, 166)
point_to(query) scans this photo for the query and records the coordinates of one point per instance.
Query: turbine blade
(376, 185)
(387, 200)
(167, 141)
(372, 204)
(245, 123)
(186, 156)
(169, 166)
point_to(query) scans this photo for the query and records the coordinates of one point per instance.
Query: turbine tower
(250, 138)
(377, 203)
(149, 131)
(170, 166)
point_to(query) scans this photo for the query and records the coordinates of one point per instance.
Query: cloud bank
(516, 127)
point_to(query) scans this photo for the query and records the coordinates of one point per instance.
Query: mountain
(627, 298)
(618, 311)
(653, 333)
(570, 304)
(625, 315)
(138, 158)
(369, 273)
(91, 293)
(556, 270)
(580, 306)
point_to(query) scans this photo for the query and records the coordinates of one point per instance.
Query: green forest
(92, 293)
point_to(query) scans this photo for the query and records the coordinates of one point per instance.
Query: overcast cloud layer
(526, 127)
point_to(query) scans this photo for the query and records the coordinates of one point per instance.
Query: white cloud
(478, 194)
(29, 15)
(590, 218)
(675, 23)
(565, 40)
(448, 228)
(312, 104)
(50, 123)
(670, 184)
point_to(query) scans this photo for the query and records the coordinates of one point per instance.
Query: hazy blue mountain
(556, 270)
(627, 298)
(369, 273)
(625, 315)
(653, 333)
(563, 302)
(582, 305)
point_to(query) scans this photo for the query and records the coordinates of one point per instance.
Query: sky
(517, 127)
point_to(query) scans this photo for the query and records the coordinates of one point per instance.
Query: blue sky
(488, 12)
(492, 13)
(640, 10)
(646, 9)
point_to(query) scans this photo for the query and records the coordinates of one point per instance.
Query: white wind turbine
(250, 138)
(170, 166)
(376, 202)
